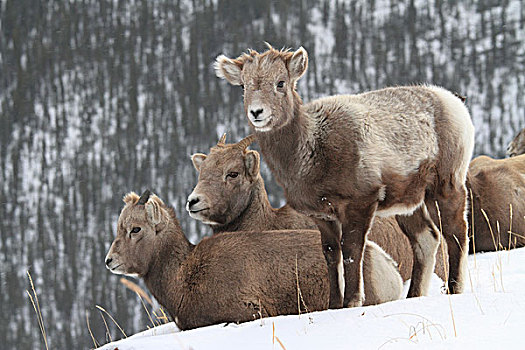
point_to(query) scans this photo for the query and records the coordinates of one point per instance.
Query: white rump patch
(460, 117)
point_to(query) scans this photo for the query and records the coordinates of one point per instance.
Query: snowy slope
(491, 313)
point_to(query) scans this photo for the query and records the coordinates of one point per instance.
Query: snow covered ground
(490, 314)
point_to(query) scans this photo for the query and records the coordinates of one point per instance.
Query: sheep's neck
(163, 271)
(255, 215)
(290, 149)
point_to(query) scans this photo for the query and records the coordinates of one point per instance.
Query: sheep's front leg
(330, 239)
(354, 231)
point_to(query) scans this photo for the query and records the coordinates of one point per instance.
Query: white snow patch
(488, 315)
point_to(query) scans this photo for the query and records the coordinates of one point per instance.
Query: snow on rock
(489, 314)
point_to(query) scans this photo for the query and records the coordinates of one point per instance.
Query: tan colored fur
(342, 159)
(231, 277)
(496, 184)
(256, 212)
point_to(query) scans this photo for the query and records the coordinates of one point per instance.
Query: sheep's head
(269, 80)
(226, 177)
(134, 247)
(517, 145)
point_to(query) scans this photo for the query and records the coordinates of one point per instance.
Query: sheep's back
(241, 276)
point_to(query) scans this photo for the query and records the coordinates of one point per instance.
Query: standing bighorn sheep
(231, 277)
(517, 145)
(496, 184)
(345, 159)
(230, 196)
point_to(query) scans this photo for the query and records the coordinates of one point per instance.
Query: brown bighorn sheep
(517, 145)
(230, 196)
(345, 159)
(495, 185)
(231, 277)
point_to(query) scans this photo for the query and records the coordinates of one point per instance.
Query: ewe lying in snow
(231, 277)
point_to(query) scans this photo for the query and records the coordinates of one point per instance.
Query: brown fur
(495, 184)
(389, 236)
(241, 203)
(237, 203)
(231, 277)
(517, 145)
(344, 159)
(256, 213)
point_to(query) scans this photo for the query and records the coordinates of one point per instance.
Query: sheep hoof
(356, 301)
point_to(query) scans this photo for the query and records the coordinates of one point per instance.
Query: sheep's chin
(198, 216)
(118, 271)
(262, 125)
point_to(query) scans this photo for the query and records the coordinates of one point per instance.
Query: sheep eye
(280, 84)
(233, 175)
(135, 230)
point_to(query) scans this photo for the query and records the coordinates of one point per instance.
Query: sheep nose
(193, 201)
(256, 112)
(108, 261)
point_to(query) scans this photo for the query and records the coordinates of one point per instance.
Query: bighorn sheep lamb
(495, 185)
(517, 145)
(230, 196)
(231, 277)
(345, 159)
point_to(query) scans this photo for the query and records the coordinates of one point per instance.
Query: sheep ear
(251, 161)
(131, 198)
(154, 210)
(197, 160)
(226, 68)
(298, 64)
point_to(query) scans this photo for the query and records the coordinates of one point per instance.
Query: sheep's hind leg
(452, 206)
(330, 239)
(424, 238)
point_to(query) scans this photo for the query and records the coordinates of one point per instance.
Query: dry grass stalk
(112, 319)
(147, 312)
(472, 225)
(274, 338)
(500, 246)
(91, 332)
(497, 247)
(164, 318)
(425, 326)
(144, 296)
(36, 307)
(108, 334)
(135, 288)
(300, 299)
(298, 289)
(490, 229)
(510, 227)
